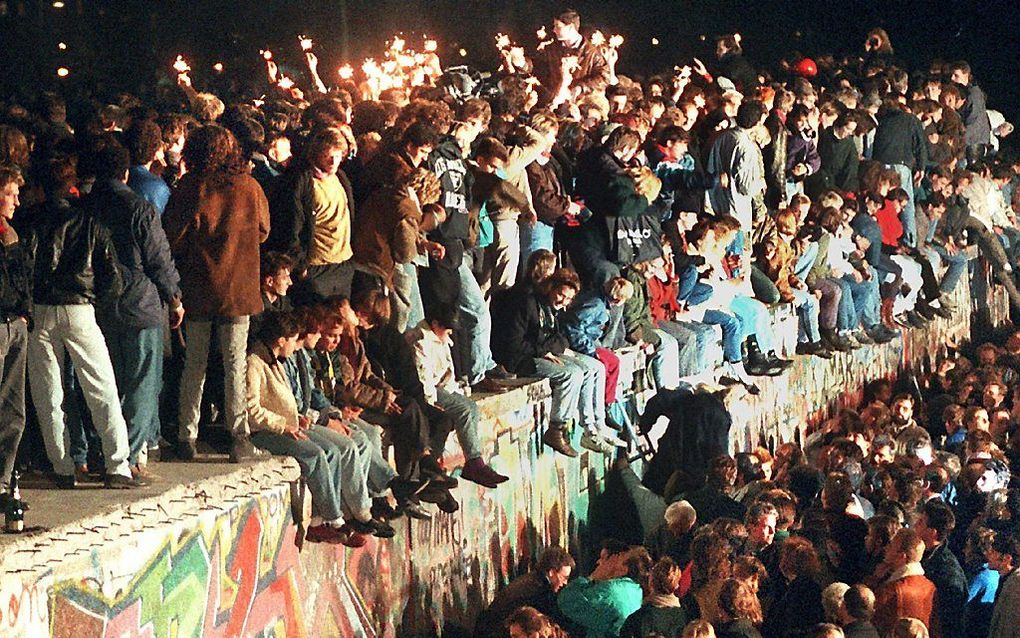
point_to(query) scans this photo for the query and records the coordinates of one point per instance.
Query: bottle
(14, 513)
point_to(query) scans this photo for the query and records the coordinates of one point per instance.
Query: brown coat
(386, 233)
(214, 231)
(357, 384)
(907, 597)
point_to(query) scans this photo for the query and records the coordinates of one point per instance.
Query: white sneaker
(609, 435)
(595, 443)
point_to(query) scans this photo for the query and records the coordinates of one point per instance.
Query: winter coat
(270, 401)
(528, 330)
(357, 384)
(637, 317)
(386, 234)
(602, 606)
(585, 323)
(975, 117)
(15, 276)
(75, 261)
(943, 569)
(547, 194)
(143, 255)
(900, 139)
(214, 231)
(699, 430)
(908, 597)
(840, 161)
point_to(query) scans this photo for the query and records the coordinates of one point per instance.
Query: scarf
(662, 600)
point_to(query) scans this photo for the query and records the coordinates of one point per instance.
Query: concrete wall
(221, 557)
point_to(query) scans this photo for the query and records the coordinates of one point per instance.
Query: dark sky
(127, 40)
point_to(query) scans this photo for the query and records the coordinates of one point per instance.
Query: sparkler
(266, 54)
(63, 72)
(346, 72)
(616, 40)
(181, 65)
(285, 83)
(598, 39)
(218, 67)
(430, 46)
(306, 42)
(503, 41)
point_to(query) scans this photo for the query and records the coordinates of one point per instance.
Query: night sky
(128, 41)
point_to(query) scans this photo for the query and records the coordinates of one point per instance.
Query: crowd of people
(896, 519)
(347, 265)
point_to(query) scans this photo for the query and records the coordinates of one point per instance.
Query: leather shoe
(556, 438)
(477, 471)
(186, 450)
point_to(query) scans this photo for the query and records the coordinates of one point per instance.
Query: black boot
(757, 364)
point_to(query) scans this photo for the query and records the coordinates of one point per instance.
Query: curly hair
(737, 601)
(13, 146)
(212, 152)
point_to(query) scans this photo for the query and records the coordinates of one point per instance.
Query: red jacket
(889, 221)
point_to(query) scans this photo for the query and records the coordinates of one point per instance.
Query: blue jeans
(476, 323)
(537, 236)
(137, 357)
(732, 335)
(846, 313)
(956, 265)
(907, 215)
(336, 473)
(82, 434)
(464, 414)
(691, 343)
(866, 299)
(566, 381)
(592, 397)
(665, 361)
(408, 310)
(755, 320)
(807, 313)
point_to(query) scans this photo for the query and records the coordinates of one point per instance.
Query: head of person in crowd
(275, 275)
(680, 518)
(555, 565)
(906, 548)
(11, 182)
(909, 628)
(798, 559)
(528, 622)
(751, 571)
(211, 153)
(738, 602)
(761, 520)
(560, 288)
(699, 628)
(144, 140)
(858, 604)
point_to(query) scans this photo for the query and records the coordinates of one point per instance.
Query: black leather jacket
(75, 261)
